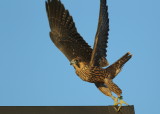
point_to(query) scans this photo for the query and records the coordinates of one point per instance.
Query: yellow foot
(115, 100)
(121, 102)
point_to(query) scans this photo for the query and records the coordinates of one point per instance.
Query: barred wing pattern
(64, 33)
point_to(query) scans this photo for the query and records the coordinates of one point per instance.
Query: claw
(119, 103)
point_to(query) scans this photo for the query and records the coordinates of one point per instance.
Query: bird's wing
(64, 33)
(101, 38)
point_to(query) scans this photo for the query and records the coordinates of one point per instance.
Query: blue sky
(33, 72)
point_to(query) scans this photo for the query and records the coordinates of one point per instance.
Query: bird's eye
(76, 61)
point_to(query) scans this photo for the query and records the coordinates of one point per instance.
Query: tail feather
(123, 60)
(116, 67)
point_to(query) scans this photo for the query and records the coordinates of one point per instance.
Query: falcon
(88, 63)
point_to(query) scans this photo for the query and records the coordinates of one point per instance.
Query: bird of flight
(88, 62)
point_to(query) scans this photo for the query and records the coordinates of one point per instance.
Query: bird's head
(76, 62)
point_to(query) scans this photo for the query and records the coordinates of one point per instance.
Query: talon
(119, 108)
(121, 102)
(116, 109)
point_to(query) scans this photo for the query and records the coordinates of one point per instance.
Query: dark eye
(77, 61)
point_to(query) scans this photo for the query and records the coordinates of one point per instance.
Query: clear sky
(33, 72)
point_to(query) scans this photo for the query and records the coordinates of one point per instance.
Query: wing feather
(64, 33)
(101, 38)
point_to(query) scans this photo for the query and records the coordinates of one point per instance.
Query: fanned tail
(119, 63)
(116, 67)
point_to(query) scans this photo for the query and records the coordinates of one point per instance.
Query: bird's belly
(86, 74)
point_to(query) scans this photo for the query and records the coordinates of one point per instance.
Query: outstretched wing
(64, 33)
(101, 38)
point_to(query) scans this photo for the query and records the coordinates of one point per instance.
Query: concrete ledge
(65, 110)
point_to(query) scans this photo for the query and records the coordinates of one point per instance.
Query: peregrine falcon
(88, 63)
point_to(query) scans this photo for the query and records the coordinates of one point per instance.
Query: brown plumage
(88, 62)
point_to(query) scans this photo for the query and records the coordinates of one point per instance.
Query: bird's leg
(114, 88)
(120, 98)
(114, 99)
(104, 89)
